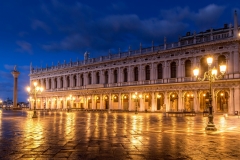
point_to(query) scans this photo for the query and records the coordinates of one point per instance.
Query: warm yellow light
(196, 72)
(214, 71)
(192, 95)
(204, 95)
(136, 93)
(188, 95)
(209, 61)
(60, 99)
(41, 89)
(173, 95)
(74, 98)
(115, 97)
(106, 97)
(221, 94)
(35, 84)
(37, 88)
(223, 68)
(28, 89)
(140, 96)
(134, 96)
(159, 96)
(125, 97)
(147, 96)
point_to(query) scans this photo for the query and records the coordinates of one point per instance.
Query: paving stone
(94, 135)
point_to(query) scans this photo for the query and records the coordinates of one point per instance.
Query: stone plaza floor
(96, 135)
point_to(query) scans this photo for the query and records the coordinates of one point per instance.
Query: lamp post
(137, 96)
(34, 91)
(211, 76)
(1, 103)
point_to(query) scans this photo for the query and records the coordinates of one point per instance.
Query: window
(74, 81)
(221, 60)
(55, 82)
(97, 78)
(204, 66)
(173, 70)
(159, 71)
(115, 76)
(61, 82)
(125, 75)
(68, 81)
(50, 83)
(82, 80)
(136, 74)
(89, 78)
(147, 69)
(188, 67)
(106, 77)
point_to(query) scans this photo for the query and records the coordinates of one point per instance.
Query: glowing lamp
(223, 68)
(209, 61)
(196, 72)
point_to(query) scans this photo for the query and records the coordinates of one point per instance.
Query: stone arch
(188, 100)
(125, 101)
(222, 100)
(173, 98)
(115, 101)
(106, 102)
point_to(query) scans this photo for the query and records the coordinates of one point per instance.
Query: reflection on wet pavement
(95, 135)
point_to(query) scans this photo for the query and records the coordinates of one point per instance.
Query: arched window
(188, 69)
(173, 70)
(68, 81)
(61, 82)
(125, 75)
(74, 81)
(203, 66)
(147, 71)
(159, 71)
(97, 78)
(82, 80)
(115, 76)
(89, 78)
(136, 74)
(50, 83)
(44, 83)
(221, 60)
(106, 77)
(55, 82)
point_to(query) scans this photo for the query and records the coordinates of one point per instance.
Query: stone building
(162, 75)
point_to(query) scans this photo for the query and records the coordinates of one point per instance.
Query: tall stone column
(15, 74)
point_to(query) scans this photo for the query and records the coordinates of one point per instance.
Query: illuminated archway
(173, 101)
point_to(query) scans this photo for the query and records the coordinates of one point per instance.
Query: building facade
(162, 75)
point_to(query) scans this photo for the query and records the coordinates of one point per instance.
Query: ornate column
(154, 107)
(231, 106)
(236, 64)
(166, 101)
(15, 74)
(120, 101)
(93, 102)
(101, 101)
(180, 106)
(141, 104)
(130, 107)
(110, 101)
(236, 100)
(130, 74)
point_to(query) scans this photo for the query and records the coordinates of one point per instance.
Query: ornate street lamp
(34, 91)
(136, 97)
(211, 76)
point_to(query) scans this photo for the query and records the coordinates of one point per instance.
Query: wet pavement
(95, 135)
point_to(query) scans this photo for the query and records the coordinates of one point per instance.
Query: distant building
(162, 74)
(8, 103)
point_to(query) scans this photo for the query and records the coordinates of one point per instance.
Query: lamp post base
(211, 127)
(34, 114)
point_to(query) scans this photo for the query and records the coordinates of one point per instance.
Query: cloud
(208, 15)
(36, 24)
(86, 29)
(24, 47)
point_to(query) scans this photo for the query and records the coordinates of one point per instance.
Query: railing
(200, 38)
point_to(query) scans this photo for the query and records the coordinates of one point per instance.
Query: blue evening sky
(47, 31)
